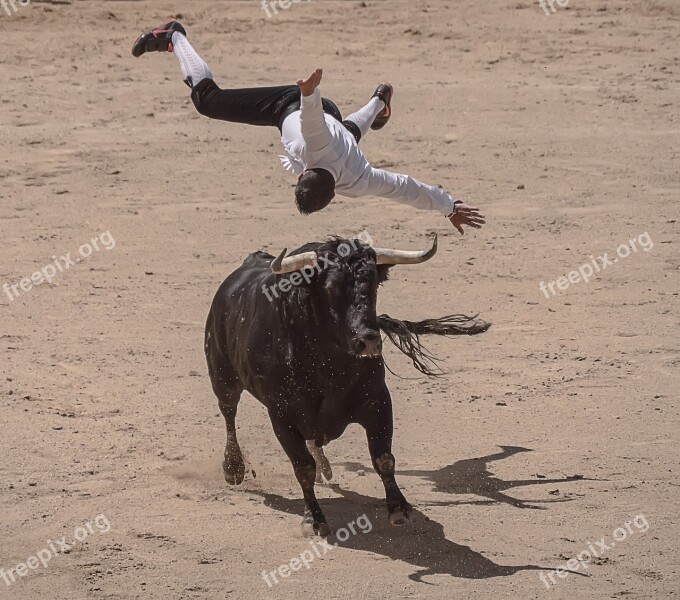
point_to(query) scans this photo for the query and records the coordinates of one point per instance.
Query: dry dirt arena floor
(553, 435)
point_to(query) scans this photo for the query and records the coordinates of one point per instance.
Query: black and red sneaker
(157, 40)
(384, 91)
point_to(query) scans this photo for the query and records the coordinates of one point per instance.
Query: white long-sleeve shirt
(314, 139)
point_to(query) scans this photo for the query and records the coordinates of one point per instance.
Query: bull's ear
(383, 273)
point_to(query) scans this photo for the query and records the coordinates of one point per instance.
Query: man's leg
(194, 68)
(253, 106)
(171, 37)
(364, 117)
(376, 112)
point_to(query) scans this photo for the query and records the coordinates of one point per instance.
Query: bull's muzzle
(368, 345)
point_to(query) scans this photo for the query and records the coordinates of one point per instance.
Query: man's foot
(384, 92)
(158, 40)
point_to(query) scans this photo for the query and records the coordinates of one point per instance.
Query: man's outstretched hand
(466, 215)
(307, 86)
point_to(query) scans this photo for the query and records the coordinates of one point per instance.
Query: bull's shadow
(472, 476)
(421, 543)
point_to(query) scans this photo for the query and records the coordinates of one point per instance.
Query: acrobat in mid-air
(320, 147)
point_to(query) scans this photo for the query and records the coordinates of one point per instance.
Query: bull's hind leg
(323, 467)
(293, 443)
(227, 387)
(233, 466)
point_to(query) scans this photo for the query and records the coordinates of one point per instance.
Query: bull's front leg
(376, 418)
(293, 444)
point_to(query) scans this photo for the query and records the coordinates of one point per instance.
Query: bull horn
(281, 265)
(387, 256)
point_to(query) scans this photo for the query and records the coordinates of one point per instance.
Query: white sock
(193, 67)
(365, 116)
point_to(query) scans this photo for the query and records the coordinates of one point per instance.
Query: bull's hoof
(401, 515)
(310, 528)
(234, 474)
(323, 530)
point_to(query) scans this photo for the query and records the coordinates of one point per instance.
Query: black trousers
(264, 106)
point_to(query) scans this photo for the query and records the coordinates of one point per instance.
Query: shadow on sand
(472, 476)
(423, 543)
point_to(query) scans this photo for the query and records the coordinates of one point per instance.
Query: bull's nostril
(370, 345)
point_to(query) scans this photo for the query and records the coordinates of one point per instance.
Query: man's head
(314, 191)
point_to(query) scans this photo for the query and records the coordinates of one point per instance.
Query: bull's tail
(405, 335)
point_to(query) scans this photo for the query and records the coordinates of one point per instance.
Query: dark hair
(314, 191)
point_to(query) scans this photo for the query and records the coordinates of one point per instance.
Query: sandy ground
(549, 432)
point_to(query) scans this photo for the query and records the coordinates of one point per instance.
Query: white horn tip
(276, 263)
(433, 250)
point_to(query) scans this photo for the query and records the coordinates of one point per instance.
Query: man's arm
(407, 190)
(313, 124)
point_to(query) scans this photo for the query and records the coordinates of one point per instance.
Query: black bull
(307, 345)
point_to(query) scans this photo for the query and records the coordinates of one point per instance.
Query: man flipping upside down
(320, 147)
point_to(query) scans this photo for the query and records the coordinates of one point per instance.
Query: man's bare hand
(307, 86)
(466, 215)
